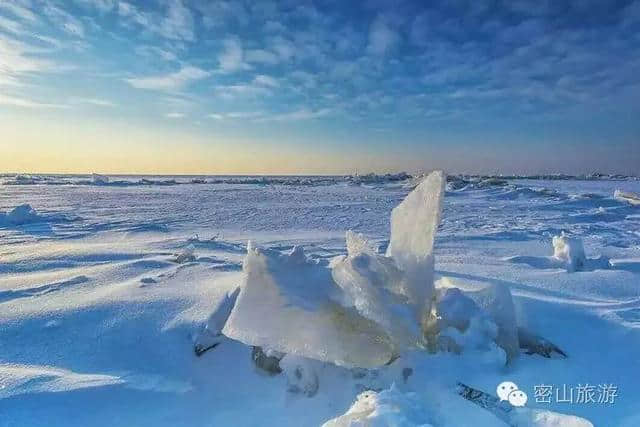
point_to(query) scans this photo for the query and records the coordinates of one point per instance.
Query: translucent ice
(291, 304)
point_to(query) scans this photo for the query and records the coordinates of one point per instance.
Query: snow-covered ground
(98, 320)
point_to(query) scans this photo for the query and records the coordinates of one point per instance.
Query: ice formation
(388, 407)
(627, 196)
(526, 417)
(99, 179)
(289, 303)
(23, 214)
(187, 255)
(211, 335)
(360, 311)
(471, 312)
(569, 252)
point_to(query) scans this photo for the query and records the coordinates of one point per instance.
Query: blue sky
(320, 86)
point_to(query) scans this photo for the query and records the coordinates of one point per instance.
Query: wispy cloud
(265, 81)
(18, 11)
(94, 101)
(14, 101)
(231, 58)
(65, 20)
(382, 37)
(170, 81)
(174, 115)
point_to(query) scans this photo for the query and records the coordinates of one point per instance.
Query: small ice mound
(526, 417)
(301, 373)
(627, 196)
(99, 179)
(187, 255)
(389, 407)
(570, 252)
(478, 308)
(23, 214)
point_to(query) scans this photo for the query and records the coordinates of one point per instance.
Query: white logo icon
(509, 391)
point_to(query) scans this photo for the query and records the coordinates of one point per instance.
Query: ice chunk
(291, 304)
(22, 214)
(493, 300)
(373, 284)
(526, 417)
(187, 255)
(99, 179)
(211, 335)
(388, 407)
(570, 251)
(627, 196)
(414, 223)
(363, 309)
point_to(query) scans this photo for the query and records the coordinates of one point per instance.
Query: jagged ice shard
(363, 309)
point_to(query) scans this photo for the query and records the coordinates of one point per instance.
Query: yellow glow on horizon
(30, 145)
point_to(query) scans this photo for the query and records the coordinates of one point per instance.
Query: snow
(385, 408)
(23, 214)
(98, 323)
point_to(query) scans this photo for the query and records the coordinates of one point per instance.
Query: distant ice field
(97, 320)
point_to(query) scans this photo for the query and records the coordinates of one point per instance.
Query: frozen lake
(96, 320)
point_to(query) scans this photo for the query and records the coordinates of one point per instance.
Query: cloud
(297, 115)
(178, 23)
(232, 56)
(26, 103)
(261, 56)
(381, 37)
(94, 101)
(266, 81)
(18, 11)
(171, 81)
(242, 90)
(68, 22)
(174, 115)
(11, 26)
(16, 61)
(236, 115)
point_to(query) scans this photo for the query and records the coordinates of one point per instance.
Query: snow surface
(97, 321)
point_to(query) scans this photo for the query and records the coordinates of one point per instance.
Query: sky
(319, 87)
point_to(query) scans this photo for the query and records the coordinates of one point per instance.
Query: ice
(493, 300)
(570, 251)
(362, 310)
(627, 196)
(291, 304)
(373, 284)
(187, 255)
(526, 417)
(211, 335)
(99, 179)
(389, 407)
(414, 223)
(23, 214)
(301, 373)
